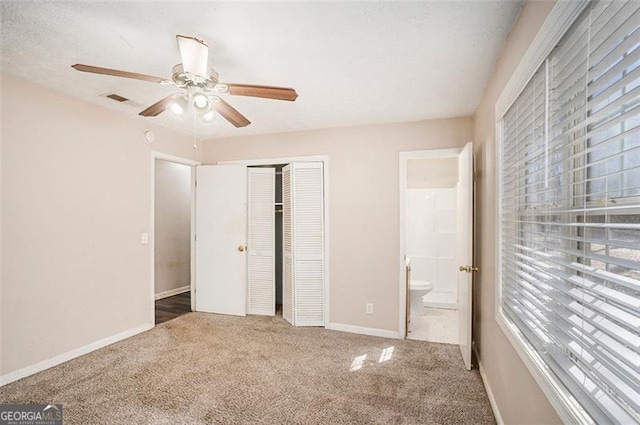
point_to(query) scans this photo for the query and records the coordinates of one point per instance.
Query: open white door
(221, 234)
(465, 250)
(261, 265)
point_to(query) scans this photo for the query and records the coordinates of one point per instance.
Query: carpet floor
(205, 368)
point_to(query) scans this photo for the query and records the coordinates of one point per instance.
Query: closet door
(306, 243)
(261, 241)
(288, 300)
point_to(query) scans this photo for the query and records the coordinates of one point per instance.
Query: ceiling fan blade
(229, 113)
(269, 92)
(158, 107)
(117, 73)
(195, 55)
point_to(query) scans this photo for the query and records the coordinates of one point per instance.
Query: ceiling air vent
(117, 97)
(122, 99)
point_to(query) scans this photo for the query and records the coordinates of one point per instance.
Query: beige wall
(363, 203)
(518, 396)
(172, 226)
(75, 200)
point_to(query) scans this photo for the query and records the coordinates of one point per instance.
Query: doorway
(436, 246)
(172, 208)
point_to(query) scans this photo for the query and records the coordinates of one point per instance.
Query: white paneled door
(261, 241)
(221, 234)
(465, 250)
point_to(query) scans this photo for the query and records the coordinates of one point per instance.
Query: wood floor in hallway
(172, 307)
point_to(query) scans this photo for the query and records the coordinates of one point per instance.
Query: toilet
(417, 290)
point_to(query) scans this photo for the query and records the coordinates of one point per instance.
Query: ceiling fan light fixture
(209, 116)
(176, 109)
(179, 105)
(200, 101)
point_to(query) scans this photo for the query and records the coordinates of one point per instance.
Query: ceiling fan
(202, 88)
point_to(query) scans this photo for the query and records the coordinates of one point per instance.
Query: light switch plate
(144, 238)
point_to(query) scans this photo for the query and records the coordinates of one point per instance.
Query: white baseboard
(69, 355)
(172, 292)
(362, 330)
(492, 399)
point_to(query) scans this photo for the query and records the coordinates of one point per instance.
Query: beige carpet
(202, 369)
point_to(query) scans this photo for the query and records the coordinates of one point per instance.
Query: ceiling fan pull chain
(195, 135)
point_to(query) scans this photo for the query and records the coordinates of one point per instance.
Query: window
(570, 214)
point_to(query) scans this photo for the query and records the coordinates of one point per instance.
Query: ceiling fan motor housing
(186, 79)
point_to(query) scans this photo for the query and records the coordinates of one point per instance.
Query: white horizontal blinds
(570, 248)
(614, 98)
(261, 241)
(288, 301)
(595, 338)
(608, 295)
(524, 190)
(308, 243)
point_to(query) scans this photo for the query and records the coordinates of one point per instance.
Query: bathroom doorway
(436, 209)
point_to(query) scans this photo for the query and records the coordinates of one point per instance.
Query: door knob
(468, 269)
(241, 248)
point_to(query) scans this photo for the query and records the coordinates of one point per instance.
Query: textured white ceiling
(351, 63)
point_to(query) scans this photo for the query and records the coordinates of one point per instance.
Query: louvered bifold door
(261, 241)
(288, 301)
(307, 201)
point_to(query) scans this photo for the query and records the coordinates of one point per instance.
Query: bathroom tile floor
(435, 325)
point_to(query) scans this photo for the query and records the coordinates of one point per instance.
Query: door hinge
(468, 269)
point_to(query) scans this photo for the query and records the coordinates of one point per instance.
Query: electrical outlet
(369, 308)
